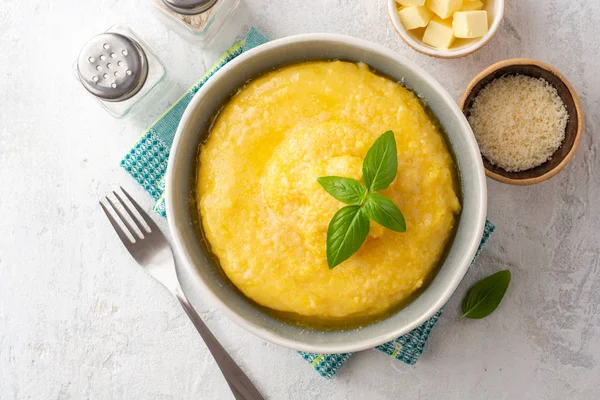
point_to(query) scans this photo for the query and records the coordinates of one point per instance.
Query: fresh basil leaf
(485, 296)
(381, 163)
(347, 231)
(383, 211)
(346, 190)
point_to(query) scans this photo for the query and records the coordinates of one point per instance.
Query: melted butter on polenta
(266, 217)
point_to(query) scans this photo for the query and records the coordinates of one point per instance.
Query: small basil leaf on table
(347, 231)
(383, 211)
(381, 163)
(485, 296)
(346, 190)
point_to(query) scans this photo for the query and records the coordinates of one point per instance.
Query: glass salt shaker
(199, 20)
(118, 69)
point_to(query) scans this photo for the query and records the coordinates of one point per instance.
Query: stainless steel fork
(152, 251)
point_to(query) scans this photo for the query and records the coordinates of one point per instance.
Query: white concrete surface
(79, 320)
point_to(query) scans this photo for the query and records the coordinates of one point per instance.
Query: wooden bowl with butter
(574, 124)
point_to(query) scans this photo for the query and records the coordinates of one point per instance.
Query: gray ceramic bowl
(201, 280)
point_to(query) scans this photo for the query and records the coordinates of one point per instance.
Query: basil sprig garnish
(349, 226)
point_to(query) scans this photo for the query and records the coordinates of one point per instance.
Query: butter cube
(444, 8)
(439, 34)
(415, 17)
(411, 2)
(470, 24)
(472, 5)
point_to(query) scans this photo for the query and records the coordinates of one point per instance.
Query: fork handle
(238, 382)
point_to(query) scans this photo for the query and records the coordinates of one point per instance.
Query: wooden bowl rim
(580, 118)
(449, 54)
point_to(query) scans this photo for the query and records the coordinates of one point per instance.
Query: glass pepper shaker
(200, 18)
(118, 69)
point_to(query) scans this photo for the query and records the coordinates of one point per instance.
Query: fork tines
(127, 217)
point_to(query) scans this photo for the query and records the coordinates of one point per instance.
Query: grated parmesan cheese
(519, 122)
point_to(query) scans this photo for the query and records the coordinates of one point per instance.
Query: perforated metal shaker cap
(112, 66)
(190, 7)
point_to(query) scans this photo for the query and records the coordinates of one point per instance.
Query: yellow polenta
(266, 217)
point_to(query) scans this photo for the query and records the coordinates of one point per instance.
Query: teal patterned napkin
(147, 164)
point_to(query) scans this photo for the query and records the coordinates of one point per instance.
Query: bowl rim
(446, 54)
(479, 201)
(578, 107)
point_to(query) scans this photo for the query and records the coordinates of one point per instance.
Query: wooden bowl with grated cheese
(573, 127)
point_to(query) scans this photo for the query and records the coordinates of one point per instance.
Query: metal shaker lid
(189, 7)
(112, 66)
